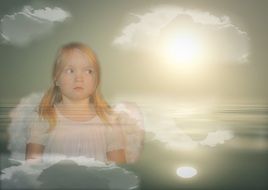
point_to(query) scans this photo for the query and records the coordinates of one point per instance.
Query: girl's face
(77, 79)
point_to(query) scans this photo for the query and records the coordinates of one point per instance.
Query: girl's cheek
(89, 77)
(65, 81)
(66, 77)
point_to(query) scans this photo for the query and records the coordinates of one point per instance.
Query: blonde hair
(53, 95)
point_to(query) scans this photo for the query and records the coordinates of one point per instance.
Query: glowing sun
(184, 49)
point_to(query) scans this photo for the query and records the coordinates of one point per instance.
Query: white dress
(92, 138)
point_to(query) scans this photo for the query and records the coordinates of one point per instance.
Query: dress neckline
(73, 121)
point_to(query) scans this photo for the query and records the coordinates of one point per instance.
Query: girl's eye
(69, 71)
(89, 71)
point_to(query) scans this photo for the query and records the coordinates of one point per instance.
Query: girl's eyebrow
(88, 66)
(67, 66)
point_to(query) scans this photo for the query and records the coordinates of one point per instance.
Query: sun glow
(184, 49)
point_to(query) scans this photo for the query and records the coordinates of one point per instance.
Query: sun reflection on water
(186, 172)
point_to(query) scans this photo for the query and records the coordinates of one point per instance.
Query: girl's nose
(79, 76)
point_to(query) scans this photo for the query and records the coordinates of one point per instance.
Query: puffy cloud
(53, 15)
(166, 130)
(217, 137)
(20, 28)
(221, 39)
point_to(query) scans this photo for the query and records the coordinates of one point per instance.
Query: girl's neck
(77, 111)
(75, 106)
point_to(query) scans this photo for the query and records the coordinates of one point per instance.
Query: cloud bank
(181, 126)
(177, 136)
(220, 36)
(20, 28)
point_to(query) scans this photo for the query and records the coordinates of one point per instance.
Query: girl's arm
(117, 156)
(34, 151)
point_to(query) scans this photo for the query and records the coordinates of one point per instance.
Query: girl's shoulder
(130, 118)
(127, 112)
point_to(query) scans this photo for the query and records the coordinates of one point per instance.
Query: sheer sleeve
(38, 132)
(131, 122)
(114, 138)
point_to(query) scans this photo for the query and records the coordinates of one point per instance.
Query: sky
(199, 49)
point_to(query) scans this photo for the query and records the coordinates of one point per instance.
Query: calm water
(227, 146)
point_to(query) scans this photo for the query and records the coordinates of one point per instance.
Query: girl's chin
(78, 97)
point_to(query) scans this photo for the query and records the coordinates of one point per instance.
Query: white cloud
(177, 137)
(224, 41)
(217, 137)
(207, 18)
(20, 28)
(149, 25)
(54, 15)
(165, 130)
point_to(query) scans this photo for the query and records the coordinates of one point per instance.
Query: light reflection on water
(174, 136)
(235, 157)
(186, 171)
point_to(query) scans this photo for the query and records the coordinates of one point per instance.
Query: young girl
(74, 119)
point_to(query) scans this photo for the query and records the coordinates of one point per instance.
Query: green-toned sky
(125, 36)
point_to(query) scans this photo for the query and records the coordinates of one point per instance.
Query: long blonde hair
(53, 95)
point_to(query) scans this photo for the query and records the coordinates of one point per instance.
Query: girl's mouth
(78, 88)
